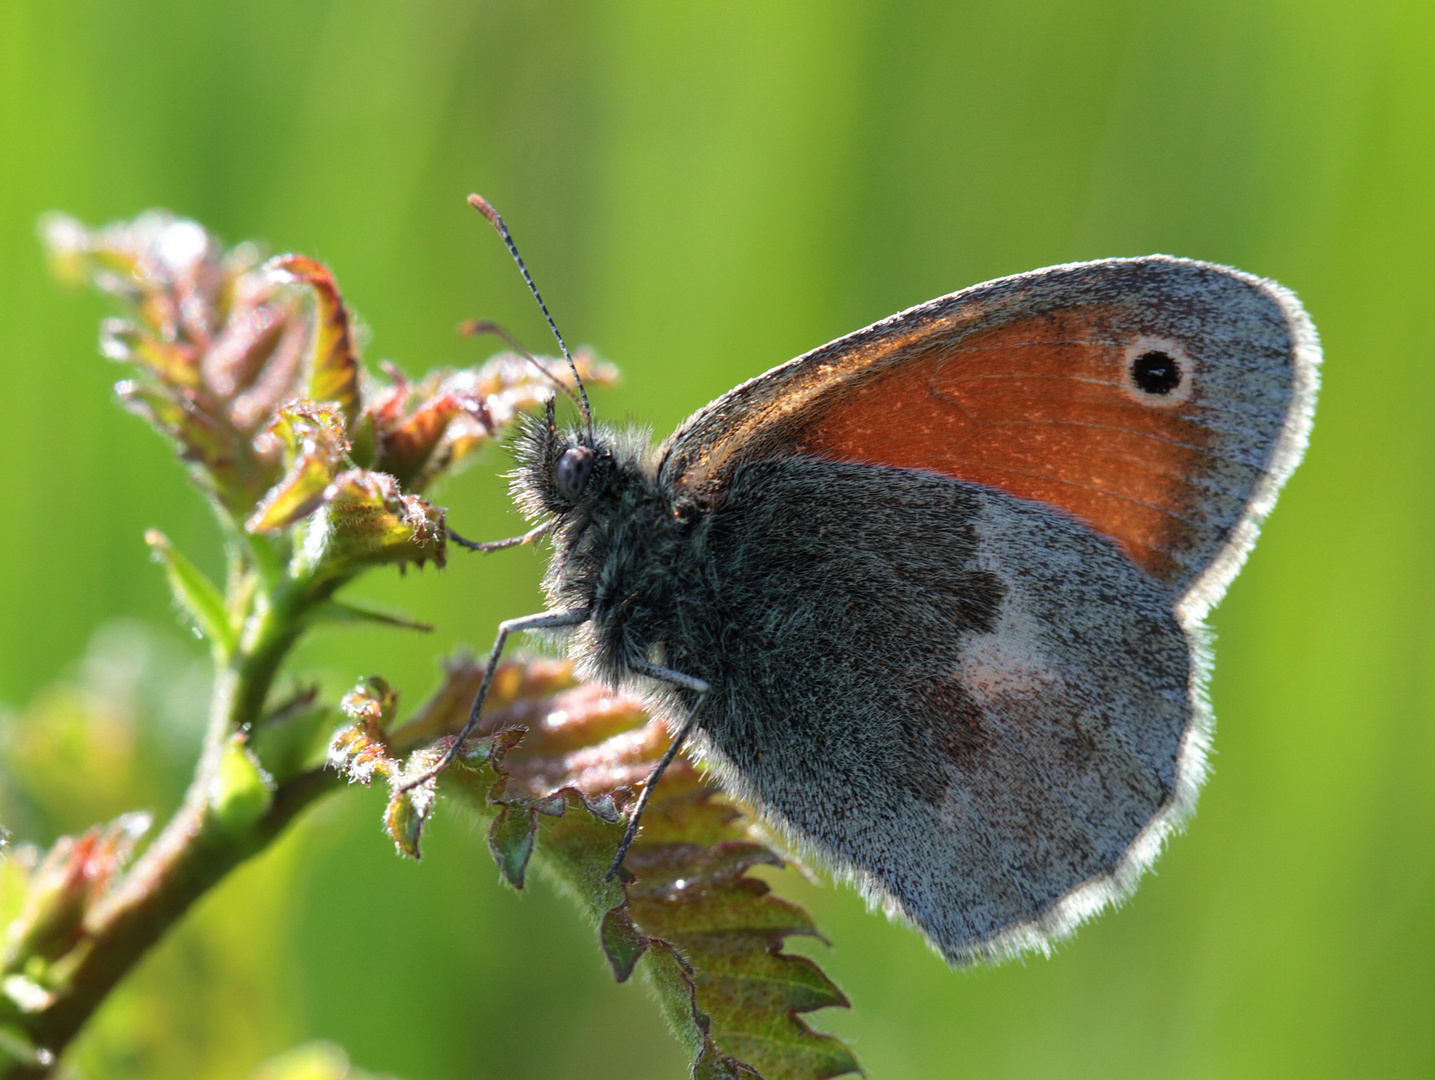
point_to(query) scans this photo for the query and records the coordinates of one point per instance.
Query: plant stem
(195, 850)
(188, 858)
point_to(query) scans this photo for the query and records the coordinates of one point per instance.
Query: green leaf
(623, 943)
(241, 791)
(404, 821)
(356, 611)
(196, 595)
(510, 840)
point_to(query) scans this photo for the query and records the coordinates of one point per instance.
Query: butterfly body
(931, 594)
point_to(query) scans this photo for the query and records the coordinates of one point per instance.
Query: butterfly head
(572, 473)
(613, 528)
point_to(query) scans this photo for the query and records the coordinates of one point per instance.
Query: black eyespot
(1156, 372)
(571, 472)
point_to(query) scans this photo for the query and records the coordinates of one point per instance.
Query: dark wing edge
(1286, 453)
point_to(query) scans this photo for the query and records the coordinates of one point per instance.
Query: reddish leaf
(225, 352)
(706, 937)
(333, 373)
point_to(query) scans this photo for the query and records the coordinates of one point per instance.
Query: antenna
(474, 327)
(482, 205)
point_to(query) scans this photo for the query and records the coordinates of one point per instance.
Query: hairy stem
(196, 849)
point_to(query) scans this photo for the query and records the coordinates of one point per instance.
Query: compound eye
(571, 473)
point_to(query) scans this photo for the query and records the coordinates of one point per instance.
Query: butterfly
(930, 598)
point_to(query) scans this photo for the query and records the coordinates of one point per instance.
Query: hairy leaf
(232, 365)
(367, 520)
(197, 596)
(334, 364)
(57, 895)
(552, 764)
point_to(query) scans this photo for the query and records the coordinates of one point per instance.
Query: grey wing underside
(1066, 718)
(994, 771)
(1094, 694)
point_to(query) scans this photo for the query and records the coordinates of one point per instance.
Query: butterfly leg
(498, 545)
(687, 682)
(543, 620)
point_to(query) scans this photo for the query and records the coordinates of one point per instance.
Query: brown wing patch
(1161, 401)
(1065, 407)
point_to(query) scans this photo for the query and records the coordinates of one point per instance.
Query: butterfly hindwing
(970, 704)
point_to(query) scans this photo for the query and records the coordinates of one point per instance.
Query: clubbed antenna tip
(484, 207)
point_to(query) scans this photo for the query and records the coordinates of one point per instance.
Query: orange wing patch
(1059, 408)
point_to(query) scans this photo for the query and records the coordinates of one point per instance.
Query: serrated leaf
(510, 841)
(730, 928)
(195, 594)
(623, 943)
(220, 461)
(420, 432)
(367, 520)
(206, 329)
(704, 935)
(365, 751)
(712, 1064)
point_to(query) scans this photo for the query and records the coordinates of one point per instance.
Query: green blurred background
(704, 190)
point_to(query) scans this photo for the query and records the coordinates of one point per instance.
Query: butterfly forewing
(1156, 400)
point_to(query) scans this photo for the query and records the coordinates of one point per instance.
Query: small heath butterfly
(930, 597)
